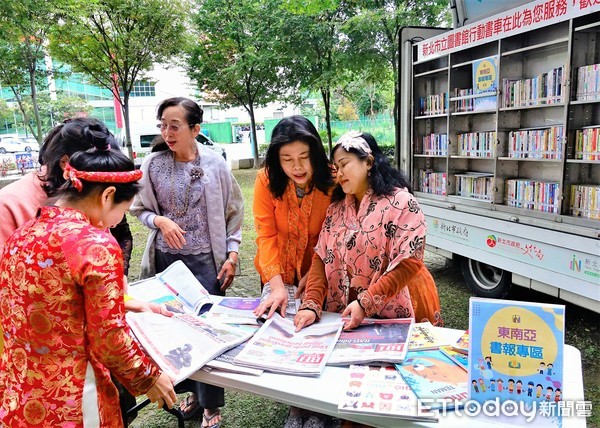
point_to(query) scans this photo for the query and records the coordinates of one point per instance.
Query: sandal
(207, 421)
(190, 407)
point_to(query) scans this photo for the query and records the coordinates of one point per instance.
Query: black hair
(158, 144)
(287, 131)
(383, 178)
(193, 115)
(99, 152)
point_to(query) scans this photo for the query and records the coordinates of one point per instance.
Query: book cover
(182, 344)
(380, 391)
(462, 344)
(424, 336)
(485, 81)
(462, 360)
(277, 347)
(375, 340)
(434, 376)
(516, 354)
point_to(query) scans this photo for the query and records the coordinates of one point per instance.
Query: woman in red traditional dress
(61, 300)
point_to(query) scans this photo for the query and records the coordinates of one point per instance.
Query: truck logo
(575, 265)
(491, 241)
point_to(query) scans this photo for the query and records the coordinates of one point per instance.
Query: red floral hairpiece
(75, 176)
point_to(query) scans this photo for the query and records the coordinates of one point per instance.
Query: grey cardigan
(224, 203)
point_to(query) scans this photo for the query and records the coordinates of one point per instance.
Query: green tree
(115, 42)
(374, 31)
(24, 27)
(6, 113)
(58, 109)
(314, 45)
(235, 61)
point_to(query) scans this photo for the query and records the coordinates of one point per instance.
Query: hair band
(354, 140)
(75, 176)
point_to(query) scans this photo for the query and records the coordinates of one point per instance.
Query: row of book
(545, 88)
(477, 185)
(534, 195)
(433, 104)
(433, 182)
(587, 143)
(464, 104)
(477, 144)
(585, 201)
(588, 83)
(536, 143)
(435, 144)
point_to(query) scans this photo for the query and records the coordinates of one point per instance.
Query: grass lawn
(248, 411)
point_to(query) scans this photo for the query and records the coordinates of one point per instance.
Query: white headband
(354, 140)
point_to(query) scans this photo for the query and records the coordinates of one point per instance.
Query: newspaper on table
(276, 347)
(182, 344)
(374, 340)
(176, 287)
(233, 310)
(293, 304)
(225, 362)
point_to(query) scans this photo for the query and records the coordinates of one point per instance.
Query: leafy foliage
(116, 41)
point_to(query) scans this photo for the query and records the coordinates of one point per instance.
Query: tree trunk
(326, 94)
(253, 139)
(125, 106)
(36, 110)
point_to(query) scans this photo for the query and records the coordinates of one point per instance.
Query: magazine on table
(374, 340)
(432, 375)
(425, 336)
(176, 287)
(293, 304)
(381, 391)
(233, 310)
(182, 344)
(276, 346)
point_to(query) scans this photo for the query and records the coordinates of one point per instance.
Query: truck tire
(485, 280)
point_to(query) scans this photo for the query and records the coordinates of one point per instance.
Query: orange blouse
(286, 233)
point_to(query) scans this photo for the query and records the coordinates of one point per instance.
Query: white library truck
(500, 137)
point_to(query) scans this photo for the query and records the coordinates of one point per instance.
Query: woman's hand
(162, 392)
(172, 233)
(304, 318)
(301, 286)
(135, 305)
(356, 313)
(228, 270)
(277, 298)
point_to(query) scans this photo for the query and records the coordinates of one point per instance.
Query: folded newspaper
(276, 346)
(233, 310)
(374, 340)
(182, 344)
(176, 287)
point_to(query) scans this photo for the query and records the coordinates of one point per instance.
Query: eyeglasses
(174, 128)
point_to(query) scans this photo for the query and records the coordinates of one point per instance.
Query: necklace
(196, 173)
(300, 192)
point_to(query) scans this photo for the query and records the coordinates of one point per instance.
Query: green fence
(219, 132)
(381, 129)
(270, 124)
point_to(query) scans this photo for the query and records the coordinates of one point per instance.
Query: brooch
(196, 173)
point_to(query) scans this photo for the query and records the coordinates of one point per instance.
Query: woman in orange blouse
(291, 196)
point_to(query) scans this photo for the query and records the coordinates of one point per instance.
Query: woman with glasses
(194, 209)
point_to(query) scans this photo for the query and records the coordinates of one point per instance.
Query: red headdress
(76, 176)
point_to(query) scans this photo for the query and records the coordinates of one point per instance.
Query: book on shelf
(277, 347)
(374, 340)
(545, 88)
(381, 391)
(424, 336)
(588, 83)
(538, 195)
(434, 376)
(176, 287)
(516, 353)
(587, 143)
(233, 310)
(461, 360)
(485, 81)
(293, 304)
(585, 201)
(182, 344)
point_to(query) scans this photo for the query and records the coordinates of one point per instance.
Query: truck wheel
(485, 280)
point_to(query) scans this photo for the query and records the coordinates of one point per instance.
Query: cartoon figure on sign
(557, 395)
(519, 386)
(482, 385)
(475, 387)
(493, 385)
(538, 390)
(530, 388)
(488, 361)
(542, 367)
(549, 369)
(511, 386)
(500, 385)
(549, 392)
